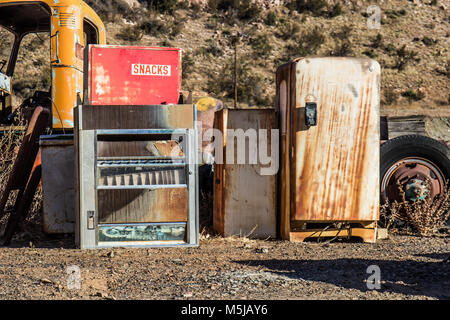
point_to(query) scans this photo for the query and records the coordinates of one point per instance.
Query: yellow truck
(71, 26)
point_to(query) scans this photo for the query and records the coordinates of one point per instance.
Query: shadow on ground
(409, 277)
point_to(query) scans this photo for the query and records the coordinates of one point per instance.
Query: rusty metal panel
(58, 183)
(137, 117)
(124, 75)
(335, 168)
(282, 105)
(135, 206)
(244, 198)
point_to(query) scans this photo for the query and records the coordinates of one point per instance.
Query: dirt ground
(410, 268)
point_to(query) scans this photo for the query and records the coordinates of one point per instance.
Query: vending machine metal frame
(93, 123)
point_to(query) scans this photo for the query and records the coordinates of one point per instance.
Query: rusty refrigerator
(329, 120)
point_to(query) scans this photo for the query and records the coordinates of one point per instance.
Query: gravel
(228, 268)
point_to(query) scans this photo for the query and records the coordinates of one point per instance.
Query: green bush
(250, 86)
(162, 6)
(316, 8)
(377, 42)
(428, 41)
(335, 11)
(109, 9)
(403, 57)
(412, 95)
(211, 49)
(288, 30)
(155, 27)
(271, 18)
(306, 44)
(342, 42)
(261, 44)
(245, 10)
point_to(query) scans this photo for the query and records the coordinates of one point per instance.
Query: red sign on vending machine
(122, 75)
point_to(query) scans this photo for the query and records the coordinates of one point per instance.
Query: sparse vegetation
(109, 10)
(412, 95)
(428, 41)
(155, 26)
(342, 42)
(404, 57)
(390, 96)
(210, 49)
(250, 85)
(245, 10)
(423, 217)
(377, 42)
(261, 44)
(271, 18)
(130, 34)
(270, 36)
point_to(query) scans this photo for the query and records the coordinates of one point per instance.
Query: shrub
(261, 44)
(335, 11)
(156, 27)
(390, 96)
(316, 8)
(288, 30)
(412, 95)
(187, 66)
(109, 9)
(370, 53)
(271, 18)
(446, 70)
(306, 44)
(342, 42)
(426, 217)
(162, 6)
(377, 42)
(404, 57)
(243, 9)
(390, 48)
(342, 49)
(250, 86)
(428, 41)
(130, 34)
(212, 48)
(248, 10)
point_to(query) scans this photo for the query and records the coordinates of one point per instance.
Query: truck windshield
(32, 70)
(6, 44)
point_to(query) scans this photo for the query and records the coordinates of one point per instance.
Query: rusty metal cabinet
(329, 120)
(244, 194)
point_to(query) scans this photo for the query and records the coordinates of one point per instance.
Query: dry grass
(423, 218)
(10, 142)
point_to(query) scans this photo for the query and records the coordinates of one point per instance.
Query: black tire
(407, 146)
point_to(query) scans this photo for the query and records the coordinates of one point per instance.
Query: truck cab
(69, 26)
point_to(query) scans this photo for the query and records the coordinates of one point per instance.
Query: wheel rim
(417, 178)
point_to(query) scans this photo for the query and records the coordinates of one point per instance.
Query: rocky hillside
(411, 44)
